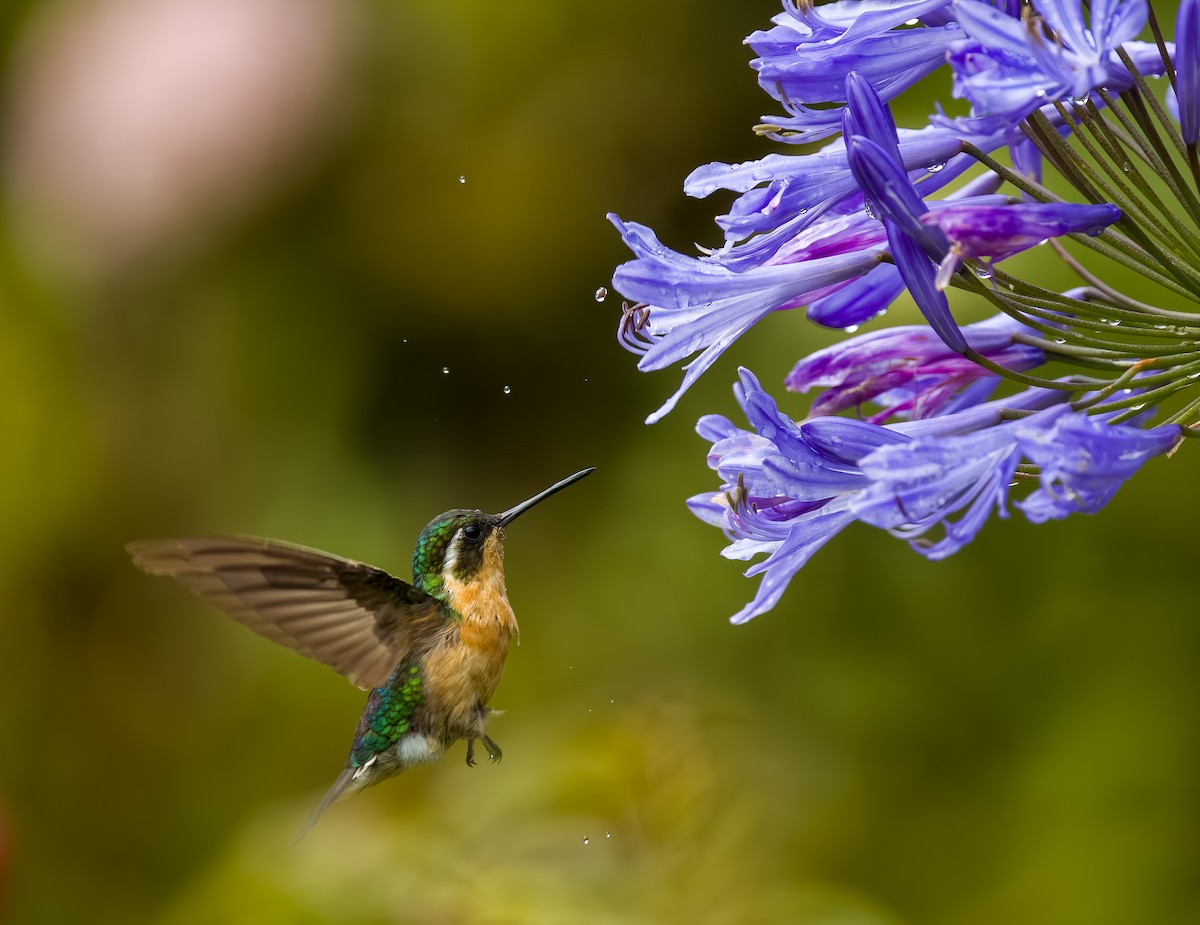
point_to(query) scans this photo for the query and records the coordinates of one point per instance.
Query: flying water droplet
(608, 834)
(601, 294)
(508, 390)
(445, 370)
(462, 179)
(586, 839)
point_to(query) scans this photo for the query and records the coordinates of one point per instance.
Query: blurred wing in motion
(355, 618)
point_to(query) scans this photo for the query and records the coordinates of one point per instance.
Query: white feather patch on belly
(415, 748)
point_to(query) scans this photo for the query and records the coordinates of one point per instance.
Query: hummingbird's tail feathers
(349, 781)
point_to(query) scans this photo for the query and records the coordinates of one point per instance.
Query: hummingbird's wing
(355, 618)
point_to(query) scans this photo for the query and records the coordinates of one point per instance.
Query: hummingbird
(430, 652)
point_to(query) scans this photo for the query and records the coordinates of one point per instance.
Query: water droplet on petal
(935, 168)
(851, 329)
(601, 294)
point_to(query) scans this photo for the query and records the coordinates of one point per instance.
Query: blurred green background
(319, 270)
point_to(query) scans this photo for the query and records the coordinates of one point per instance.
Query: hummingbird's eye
(472, 532)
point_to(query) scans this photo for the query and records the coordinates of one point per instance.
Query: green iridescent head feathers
(454, 542)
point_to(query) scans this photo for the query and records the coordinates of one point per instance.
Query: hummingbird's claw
(493, 750)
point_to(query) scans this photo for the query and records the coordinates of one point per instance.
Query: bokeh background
(320, 269)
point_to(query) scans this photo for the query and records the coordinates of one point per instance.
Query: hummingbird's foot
(493, 750)
(470, 753)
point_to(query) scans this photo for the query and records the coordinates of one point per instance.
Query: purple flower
(802, 188)
(912, 244)
(844, 230)
(909, 370)
(690, 305)
(859, 300)
(785, 493)
(947, 484)
(807, 56)
(1084, 460)
(1005, 65)
(1000, 231)
(788, 487)
(1187, 62)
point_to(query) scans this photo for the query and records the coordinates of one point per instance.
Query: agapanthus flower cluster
(1081, 138)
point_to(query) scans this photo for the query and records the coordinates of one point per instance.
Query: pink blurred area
(137, 125)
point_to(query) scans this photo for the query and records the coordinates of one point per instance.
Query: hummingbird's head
(463, 546)
(458, 546)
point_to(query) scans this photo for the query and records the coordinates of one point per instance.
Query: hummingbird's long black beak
(514, 512)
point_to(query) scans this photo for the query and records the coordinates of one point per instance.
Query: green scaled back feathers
(386, 717)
